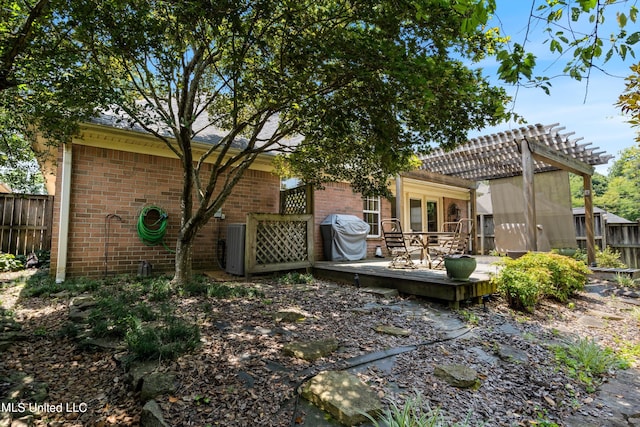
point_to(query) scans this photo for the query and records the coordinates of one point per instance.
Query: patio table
(424, 238)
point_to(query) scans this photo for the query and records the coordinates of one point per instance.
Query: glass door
(415, 214)
(418, 216)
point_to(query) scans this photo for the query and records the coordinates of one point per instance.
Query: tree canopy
(347, 90)
(358, 86)
(619, 192)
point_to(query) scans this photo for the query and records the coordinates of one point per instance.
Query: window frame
(366, 202)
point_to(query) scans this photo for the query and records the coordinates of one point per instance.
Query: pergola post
(528, 188)
(588, 218)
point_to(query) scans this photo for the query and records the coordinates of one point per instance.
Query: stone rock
(157, 383)
(592, 322)
(343, 395)
(26, 421)
(100, 344)
(291, 315)
(13, 336)
(138, 371)
(83, 302)
(311, 350)
(151, 415)
(485, 357)
(460, 376)
(606, 316)
(392, 330)
(381, 292)
(512, 354)
(22, 387)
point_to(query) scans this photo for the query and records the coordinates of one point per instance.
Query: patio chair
(398, 245)
(454, 244)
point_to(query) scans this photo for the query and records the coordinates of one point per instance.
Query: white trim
(376, 212)
(65, 204)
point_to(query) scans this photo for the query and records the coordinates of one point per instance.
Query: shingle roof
(498, 156)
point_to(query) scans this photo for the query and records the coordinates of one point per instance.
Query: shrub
(586, 361)
(414, 412)
(522, 289)
(528, 279)
(295, 278)
(167, 341)
(200, 286)
(43, 284)
(9, 262)
(609, 258)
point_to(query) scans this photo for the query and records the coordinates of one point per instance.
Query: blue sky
(595, 119)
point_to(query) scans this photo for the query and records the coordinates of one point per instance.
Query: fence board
(621, 237)
(25, 223)
(625, 238)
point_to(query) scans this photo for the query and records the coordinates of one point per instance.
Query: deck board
(422, 281)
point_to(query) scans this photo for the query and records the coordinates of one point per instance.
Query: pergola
(524, 151)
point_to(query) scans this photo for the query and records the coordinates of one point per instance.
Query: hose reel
(152, 226)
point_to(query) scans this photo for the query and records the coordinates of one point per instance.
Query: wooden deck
(422, 281)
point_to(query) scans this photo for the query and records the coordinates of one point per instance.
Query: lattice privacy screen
(279, 242)
(296, 201)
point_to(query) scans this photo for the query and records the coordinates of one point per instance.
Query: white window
(371, 215)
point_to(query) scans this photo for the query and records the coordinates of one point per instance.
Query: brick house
(105, 177)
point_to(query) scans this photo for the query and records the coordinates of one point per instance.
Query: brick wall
(108, 181)
(339, 198)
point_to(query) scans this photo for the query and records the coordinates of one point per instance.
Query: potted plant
(459, 267)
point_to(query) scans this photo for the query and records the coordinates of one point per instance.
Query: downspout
(65, 204)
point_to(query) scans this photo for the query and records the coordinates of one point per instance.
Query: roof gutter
(65, 204)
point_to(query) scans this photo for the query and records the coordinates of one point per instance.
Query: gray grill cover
(347, 236)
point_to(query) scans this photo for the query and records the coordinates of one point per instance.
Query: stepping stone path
(460, 376)
(343, 395)
(291, 315)
(392, 330)
(311, 350)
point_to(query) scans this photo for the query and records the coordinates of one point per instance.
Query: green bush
(609, 259)
(44, 284)
(415, 412)
(586, 361)
(200, 286)
(9, 262)
(167, 341)
(521, 288)
(526, 280)
(295, 278)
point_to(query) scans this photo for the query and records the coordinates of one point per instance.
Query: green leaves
(583, 39)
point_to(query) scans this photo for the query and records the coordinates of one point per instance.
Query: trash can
(344, 237)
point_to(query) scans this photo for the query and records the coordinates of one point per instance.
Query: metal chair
(454, 244)
(396, 243)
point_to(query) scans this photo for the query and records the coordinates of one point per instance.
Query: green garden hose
(153, 234)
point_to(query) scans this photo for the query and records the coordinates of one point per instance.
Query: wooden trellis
(278, 242)
(296, 201)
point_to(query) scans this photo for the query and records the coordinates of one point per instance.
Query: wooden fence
(25, 223)
(278, 242)
(625, 238)
(620, 237)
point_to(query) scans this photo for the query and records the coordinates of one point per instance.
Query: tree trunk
(183, 260)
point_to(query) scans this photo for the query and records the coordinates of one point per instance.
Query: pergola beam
(548, 155)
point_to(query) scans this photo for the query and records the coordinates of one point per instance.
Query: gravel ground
(240, 376)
